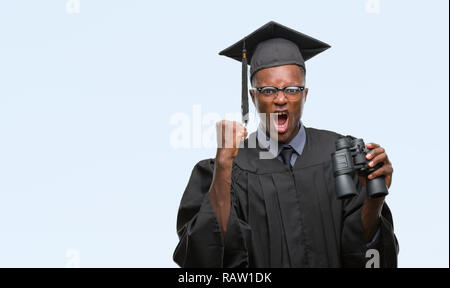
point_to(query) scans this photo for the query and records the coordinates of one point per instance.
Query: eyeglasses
(290, 92)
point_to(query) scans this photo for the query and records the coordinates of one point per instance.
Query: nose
(280, 98)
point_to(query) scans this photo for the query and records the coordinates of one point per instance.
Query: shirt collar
(297, 143)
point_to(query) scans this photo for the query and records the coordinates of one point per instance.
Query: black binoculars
(350, 157)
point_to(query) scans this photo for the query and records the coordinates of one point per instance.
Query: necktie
(286, 155)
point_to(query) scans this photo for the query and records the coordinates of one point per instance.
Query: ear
(306, 95)
(252, 94)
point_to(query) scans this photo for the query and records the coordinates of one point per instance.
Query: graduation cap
(271, 45)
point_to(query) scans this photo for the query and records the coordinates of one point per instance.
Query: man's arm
(229, 136)
(370, 216)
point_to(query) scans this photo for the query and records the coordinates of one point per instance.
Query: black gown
(279, 217)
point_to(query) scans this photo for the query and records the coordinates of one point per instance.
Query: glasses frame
(259, 89)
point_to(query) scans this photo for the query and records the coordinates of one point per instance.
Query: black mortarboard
(271, 45)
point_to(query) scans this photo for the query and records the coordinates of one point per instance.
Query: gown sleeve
(353, 246)
(200, 238)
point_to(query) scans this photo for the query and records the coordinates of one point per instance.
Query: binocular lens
(345, 188)
(377, 188)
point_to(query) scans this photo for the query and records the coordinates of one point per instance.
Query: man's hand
(377, 155)
(230, 134)
(371, 210)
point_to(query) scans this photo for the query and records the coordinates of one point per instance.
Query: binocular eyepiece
(350, 157)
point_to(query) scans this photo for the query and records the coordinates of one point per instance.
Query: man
(240, 210)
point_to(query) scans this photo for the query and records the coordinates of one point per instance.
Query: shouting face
(282, 111)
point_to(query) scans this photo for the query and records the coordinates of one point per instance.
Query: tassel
(244, 104)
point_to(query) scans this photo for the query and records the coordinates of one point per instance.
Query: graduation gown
(279, 217)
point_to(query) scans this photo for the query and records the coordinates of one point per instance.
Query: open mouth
(281, 121)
